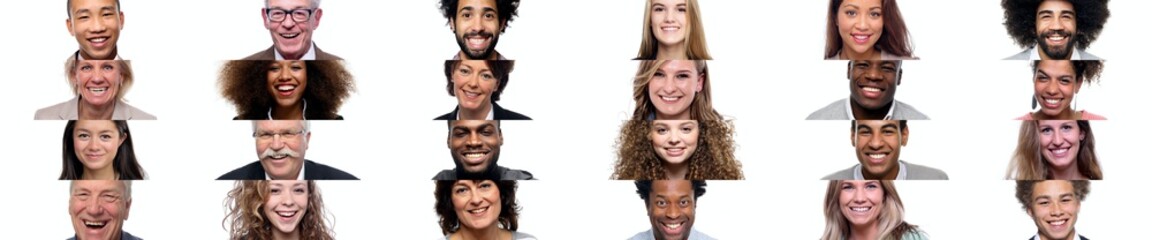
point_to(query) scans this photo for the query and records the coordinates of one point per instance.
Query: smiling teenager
(866, 30)
(866, 209)
(673, 31)
(99, 149)
(276, 210)
(477, 25)
(1054, 206)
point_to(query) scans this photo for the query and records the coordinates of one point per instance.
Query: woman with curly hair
(676, 150)
(866, 209)
(99, 149)
(1055, 150)
(866, 30)
(276, 210)
(1056, 83)
(478, 209)
(285, 90)
(673, 30)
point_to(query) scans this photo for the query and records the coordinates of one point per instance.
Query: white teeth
(878, 155)
(871, 89)
(478, 211)
(672, 225)
(98, 90)
(474, 155)
(289, 35)
(471, 94)
(670, 98)
(861, 37)
(98, 40)
(94, 224)
(477, 41)
(1058, 223)
(1052, 101)
(279, 156)
(286, 88)
(1056, 38)
(1059, 151)
(286, 214)
(670, 28)
(860, 209)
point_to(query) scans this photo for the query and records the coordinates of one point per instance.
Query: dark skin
(872, 84)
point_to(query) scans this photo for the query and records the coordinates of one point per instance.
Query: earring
(1034, 102)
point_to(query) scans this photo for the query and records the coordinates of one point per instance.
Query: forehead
(1057, 122)
(672, 188)
(1052, 188)
(289, 4)
(287, 183)
(473, 64)
(862, 3)
(477, 4)
(877, 62)
(679, 65)
(877, 123)
(78, 4)
(272, 125)
(97, 186)
(95, 125)
(474, 124)
(1056, 6)
(673, 122)
(669, 2)
(1055, 66)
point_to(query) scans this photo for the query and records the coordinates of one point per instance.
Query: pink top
(1084, 115)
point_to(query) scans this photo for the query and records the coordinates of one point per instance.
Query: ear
(125, 137)
(852, 137)
(848, 73)
(899, 76)
(316, 22)
(452, 25)
(127, 208)
(307, 138)
(904, 136)
(700, 82)
(121, 20)
(68, 23)
(1076, 88)
(503, 26)
(264, 14)
(1029, 211)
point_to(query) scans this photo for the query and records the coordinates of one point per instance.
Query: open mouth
(871, 92)
(477, 41)
(475, 157)
(861, 38)
(672, 228)
(1052, 102)
(95, 224)
(478, 211)
(1057, 39)
(670, 28)
(1059, 152)
(98, 41)
(860, 209)
(675, 151)
(98, 91)
(470, 94)
(289, 35)
(877, 158)
(286, 214)
(670, 98)
(285, 89)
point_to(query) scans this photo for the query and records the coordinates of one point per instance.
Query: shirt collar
(298, 177)
(1034, 53)
(858, 174)
(303, 113)
(1037, 236)
(848, 108)
(309, 55)
(491, 113)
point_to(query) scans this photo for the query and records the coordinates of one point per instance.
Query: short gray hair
(305, 123)
(127, 184)
(314, 3)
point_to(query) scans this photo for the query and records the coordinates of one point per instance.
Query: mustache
(480, 33)
(1064, 33)
(269, 153)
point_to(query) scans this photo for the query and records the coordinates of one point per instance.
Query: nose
(875, 142)
(475, 198)
(668, 17)
(472, 81)
(285, 74)
(674, 139)
(99, 25)
(674, 212)
(1057, 209)
(94, 208)
(277, 142)
(873, 74)
(287, 200)
(473, 141)
(861, 23)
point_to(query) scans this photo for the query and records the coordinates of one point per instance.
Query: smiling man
(99, 209)
(872, 86)
(878, 144)
(96, 25)
(280, 145)
(1053, 206)
(1054, 29)
(671, 208)
(291, 23)
(475, 148)
(477, 25)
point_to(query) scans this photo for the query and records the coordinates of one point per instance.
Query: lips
(98, 41)
(672, 228)
(670, 99)
(861, 38)
(477, 41)
(675, 151)
(670, 28)
(479, 211)
(1051, 102)
(289, 35)
(1059, 152)
(475, 157)
(285, 89)
(98, 91)
(871, 92)
(95, 224)
(877, 158)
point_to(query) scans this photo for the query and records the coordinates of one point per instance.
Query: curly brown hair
(1024, 189)
(245, 205)
(450, 223)
(242, 82)
(1020, 20)
(714, 158)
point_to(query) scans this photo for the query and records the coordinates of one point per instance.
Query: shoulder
(833, 111)
(505, 114)
(1084, 55)
(445, 175)
(697, 235)
(129, 236)
(1027, 116)
(845, 174)
(905, 111)
(136, 114)
(645, 235)
(448, 116)
(515, 174)
(914, 235)
(1085, 115)
(54, 112)
(921, 172)
(1023, 55)
(322, 55)
(267, 54)
(522, 236)
(319, 171)
(246, 172)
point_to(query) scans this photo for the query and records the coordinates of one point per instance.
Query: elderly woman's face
(98, 81)
(287, 81)
(477, 203)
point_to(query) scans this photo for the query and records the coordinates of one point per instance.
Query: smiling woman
(479, 209)
(866, 209)
(1056, 84)
(99, 87)
(286, 90)
(1055, 149)
(276, 210)
(866, 30)
(477, 86)
(673, 30)
(99, 150)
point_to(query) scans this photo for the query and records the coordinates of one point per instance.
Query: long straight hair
(695, 44)
(894, 40)
(701, 107)
(891, 222)
(1029, 164)
(124, 163)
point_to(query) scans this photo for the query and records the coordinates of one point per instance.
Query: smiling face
(290, 37)
(675, 140)
(477, 203)
(1056, 85)
(860, 22)
(286, 205)
(98, 209)
(673, 88)
(96, 24)
(1056, 29)
(478, 27)
(861, 202)
(1060, 142)
(474, 83)
(878, 145)
(1054, 207)
(96, 143)
(671, 209)
(475, 144)
(98, 81)
(669, 21)
(287, 81)
(873, 83)
(281, 145)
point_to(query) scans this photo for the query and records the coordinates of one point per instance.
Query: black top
(501, 114)
(312, 171)
(503, 172)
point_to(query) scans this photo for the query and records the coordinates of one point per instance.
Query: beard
(1057, 52)
(488, 172)
(478, 55)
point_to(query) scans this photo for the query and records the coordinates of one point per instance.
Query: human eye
(684, 203)
(864, 132)
(872, 185)
(274, 190)
(661, 130)
(466, 14)
(658, 9)
(1065, 80)
(105, 137)
(875, 14)
(464, 71)
(82, 196)
(299, 190)
(661, 203)
(658, 74)
(686, 129)
(683, 76)
(489, 16)
(681, 9)
(1042, 202)
(487, 76)
(1046, 130)
(850, 13)
(109, 197)
(82, 136)
(460, 190)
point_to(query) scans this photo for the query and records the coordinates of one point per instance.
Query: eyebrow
(1041, 71)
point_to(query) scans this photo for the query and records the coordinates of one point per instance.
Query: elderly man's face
(98, 209)
(281, 144)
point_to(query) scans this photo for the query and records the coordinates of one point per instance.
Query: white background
(573, 76)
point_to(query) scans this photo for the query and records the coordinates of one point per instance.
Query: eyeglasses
(298, 15)
(265, 136)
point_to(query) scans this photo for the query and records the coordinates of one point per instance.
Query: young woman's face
(287, 203)
(861, 201)
(96, 143)
(673, 88)
(1055, 85)
(669, 21)
(1060, 142)
(287, 81)
(675, 140)
(860, 22)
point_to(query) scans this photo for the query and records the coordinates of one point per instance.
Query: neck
(294, 111)
(1071, 236)
(111, 55)
(890, 175)
(88, 111)
(102, 174)
(848, 54)
(298, 56)
(1070, 173)
(494, 56)
(673, 52)
(1067, 114)
(480, 113)
(867, 232)
(860, 113)
(679, 116)
(676, 171)
(1045, 56)
(278, 235)
(490, 233)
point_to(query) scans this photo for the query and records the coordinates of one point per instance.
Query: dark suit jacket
(338, 117)
(312, 171)
(1081, 238)
(270, 54)
(501, 114)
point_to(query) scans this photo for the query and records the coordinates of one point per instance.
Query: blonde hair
(1029, 164)
(891, 222)
(695, 44)
(701, 107)
(125, 76)
(245, 205)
